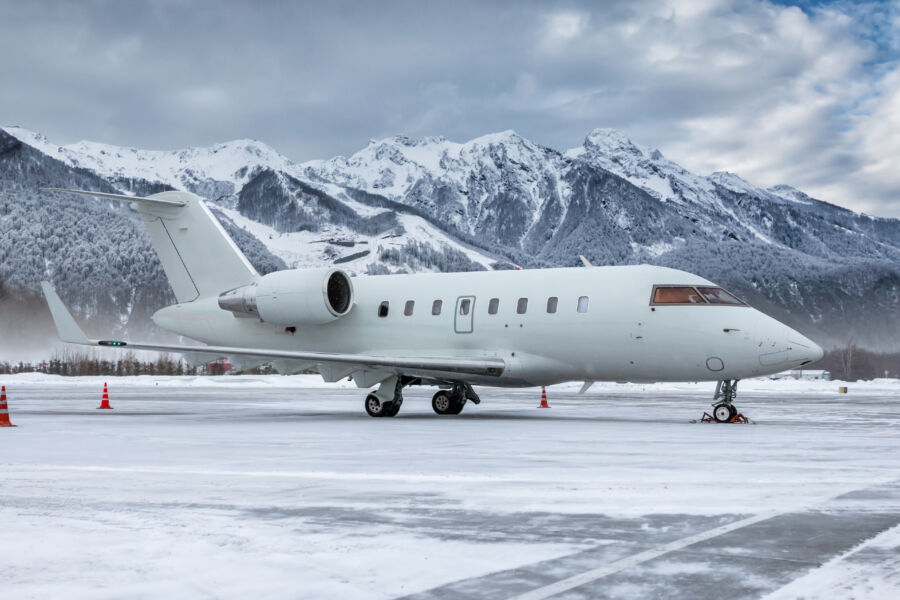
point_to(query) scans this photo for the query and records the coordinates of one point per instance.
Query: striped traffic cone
(104, 402)
(544, 398)
(4, 410)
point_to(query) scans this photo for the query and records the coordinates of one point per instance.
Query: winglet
(68, 329)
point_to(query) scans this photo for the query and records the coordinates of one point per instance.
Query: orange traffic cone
(104, 402)
(4, 410)
(544, 398)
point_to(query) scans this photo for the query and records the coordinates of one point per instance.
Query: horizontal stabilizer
(121, 197)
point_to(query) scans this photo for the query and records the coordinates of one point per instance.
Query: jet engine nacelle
(295, 297)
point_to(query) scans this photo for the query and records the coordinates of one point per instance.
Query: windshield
(715, 295)
(688, 294)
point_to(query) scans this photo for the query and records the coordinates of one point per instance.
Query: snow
(848, 577)
(302, 249)
(733, 182)
(786, 192)
(654, 250)
(644, 167)
(268, 486)
(232, 161)
(393, 166)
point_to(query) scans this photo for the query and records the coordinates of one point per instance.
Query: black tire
(734, 411)
(374, 406)
(442, 403)
(723, 413)
(391, 408)
(457, 406)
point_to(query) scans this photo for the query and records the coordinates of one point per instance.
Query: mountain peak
(613, 141)
(187, 168)
(732, 182)
(408, 141)
(500, 137)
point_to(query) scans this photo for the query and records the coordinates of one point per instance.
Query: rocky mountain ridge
(488, 203)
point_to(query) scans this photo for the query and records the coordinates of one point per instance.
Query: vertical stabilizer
(199, 258)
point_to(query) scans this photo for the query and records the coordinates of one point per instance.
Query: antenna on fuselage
(586, 262)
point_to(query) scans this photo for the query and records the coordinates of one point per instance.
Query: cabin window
(493, 305)
(522, 306)
(716, 295)
(677, 295)
(464, 306)
(436, 307)
(383, 309)
(552, 303)
(582, 304)
(408, 309)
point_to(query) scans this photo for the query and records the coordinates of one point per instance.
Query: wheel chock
(708, 418)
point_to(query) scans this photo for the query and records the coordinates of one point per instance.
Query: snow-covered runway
(274, 487)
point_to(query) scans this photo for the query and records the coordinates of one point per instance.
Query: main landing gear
(387, 399)
(452, 401)
(376, 408)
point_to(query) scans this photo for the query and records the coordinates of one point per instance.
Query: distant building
(805, 374)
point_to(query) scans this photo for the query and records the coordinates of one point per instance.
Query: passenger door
(465, 313)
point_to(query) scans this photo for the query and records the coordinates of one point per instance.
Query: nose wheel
(724, 413)
(724, 410)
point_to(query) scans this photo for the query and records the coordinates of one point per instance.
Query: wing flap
(473, 366)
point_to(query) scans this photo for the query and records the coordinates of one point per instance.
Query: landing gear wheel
(442, 403)
(724, 413)
(391, 409)
(456, 406)
(374, 406)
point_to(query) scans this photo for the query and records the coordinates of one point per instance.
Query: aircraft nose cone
(803, 349)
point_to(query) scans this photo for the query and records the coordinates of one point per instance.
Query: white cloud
(563, 27)
(772, 92)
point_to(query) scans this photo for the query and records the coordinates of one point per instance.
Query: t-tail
(199, 258)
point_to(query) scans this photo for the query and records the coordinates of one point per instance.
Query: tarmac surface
(243, 486)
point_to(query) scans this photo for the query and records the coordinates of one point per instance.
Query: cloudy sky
(801, 93)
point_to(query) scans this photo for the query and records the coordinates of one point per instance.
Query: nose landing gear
(724, 410)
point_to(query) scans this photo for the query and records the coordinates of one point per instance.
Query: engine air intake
(295, 297)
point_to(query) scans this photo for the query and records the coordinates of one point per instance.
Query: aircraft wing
(122, 197)
(69, 331)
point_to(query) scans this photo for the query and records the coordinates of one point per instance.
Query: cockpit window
(677, 295)
(716, 295)
(684, 294)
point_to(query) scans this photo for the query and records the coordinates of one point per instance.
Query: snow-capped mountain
(219, 170)
(434, 204)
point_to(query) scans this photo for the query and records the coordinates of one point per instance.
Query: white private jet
(454, 330)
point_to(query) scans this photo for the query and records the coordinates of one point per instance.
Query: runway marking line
(564, 585)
